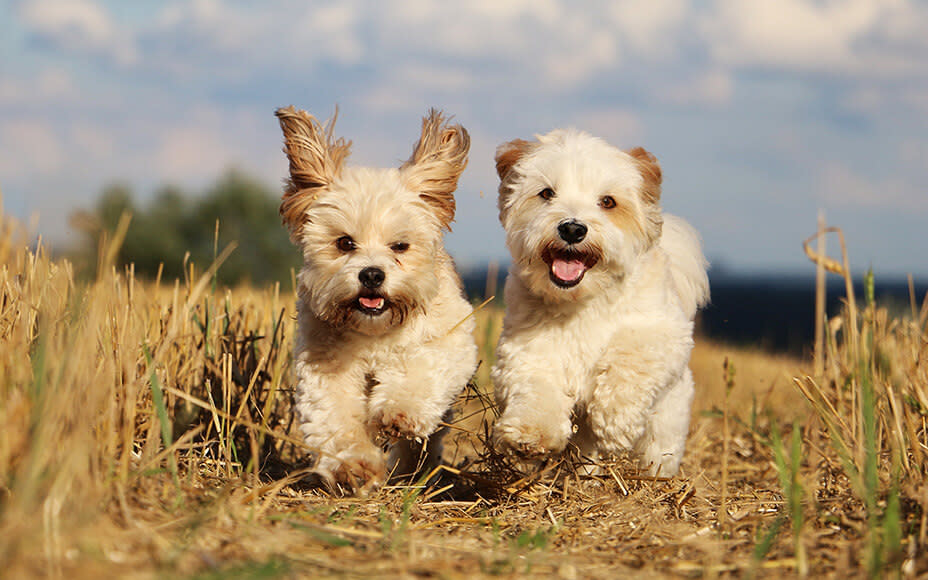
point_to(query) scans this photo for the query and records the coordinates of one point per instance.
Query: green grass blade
(157, 397)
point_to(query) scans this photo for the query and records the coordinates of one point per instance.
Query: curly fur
(598, 331)
(387, 372)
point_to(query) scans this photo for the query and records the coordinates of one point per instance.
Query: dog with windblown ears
(600, 300)
(384, 335)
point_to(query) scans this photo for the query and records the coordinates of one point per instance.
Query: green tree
(115, 199)
(173, 224)
(247, 214)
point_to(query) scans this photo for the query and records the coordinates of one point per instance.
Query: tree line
(175, 228)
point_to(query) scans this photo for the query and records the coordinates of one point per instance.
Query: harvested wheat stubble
(147, 433)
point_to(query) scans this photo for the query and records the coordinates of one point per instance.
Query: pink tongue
(568, 271)
(374, 303)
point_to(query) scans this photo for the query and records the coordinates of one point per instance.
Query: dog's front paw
(394, 424)
(358, 474)
(528, 441)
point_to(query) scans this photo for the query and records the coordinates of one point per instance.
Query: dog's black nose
(371, 277)
(572, 231)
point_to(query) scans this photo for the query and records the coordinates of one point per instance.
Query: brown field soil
(147, 433)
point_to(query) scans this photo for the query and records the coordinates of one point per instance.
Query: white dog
(384, 343)
(600, 302)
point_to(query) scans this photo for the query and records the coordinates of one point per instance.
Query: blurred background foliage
(175, 222)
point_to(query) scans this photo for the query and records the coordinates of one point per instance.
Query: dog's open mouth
(371, 304)
(567, 267)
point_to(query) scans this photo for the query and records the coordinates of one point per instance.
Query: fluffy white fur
(598, 331)
(384, 343)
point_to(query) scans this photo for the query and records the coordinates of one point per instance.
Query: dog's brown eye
(345, 244)
(399, 247)
(607, 202)
(546, 193)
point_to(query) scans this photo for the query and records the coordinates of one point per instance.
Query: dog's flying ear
(437, 161)
(316, 158)
(651, 172)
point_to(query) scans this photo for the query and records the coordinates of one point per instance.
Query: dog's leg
(536, 403)
(664, 439)
(409, 459)
(636, 371)
(332, 410)
(416, 390)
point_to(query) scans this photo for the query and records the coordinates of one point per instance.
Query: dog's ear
(650, 170)
(437, 161)
(508, 154)
(316, 158)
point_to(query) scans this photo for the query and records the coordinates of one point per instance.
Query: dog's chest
(585, 338)
(569, 347)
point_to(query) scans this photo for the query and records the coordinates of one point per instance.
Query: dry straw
(147, 432)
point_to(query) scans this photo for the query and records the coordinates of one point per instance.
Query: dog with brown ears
(600, 301)
(384, 334)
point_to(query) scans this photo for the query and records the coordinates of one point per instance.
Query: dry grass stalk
(818, 358)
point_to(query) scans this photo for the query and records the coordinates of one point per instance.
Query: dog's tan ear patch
(437, 161)
(316, 158)
(508, 154)
(651, 172)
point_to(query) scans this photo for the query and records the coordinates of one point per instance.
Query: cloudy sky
(761, 112)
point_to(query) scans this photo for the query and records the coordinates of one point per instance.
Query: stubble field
(146, 432)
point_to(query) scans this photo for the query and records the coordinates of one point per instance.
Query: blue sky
(761, 112)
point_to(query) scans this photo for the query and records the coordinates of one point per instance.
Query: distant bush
(174, 223)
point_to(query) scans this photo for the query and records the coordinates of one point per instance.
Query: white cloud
(187, 35)
(548, 43)
(48, 86)
(191, 152)
(652, 31)
(858, 37)
(49, 149)
(620, 127)
(331, 30)
(710, 88)
(81, 26)
(202, 142)
(231, 40)
(586, 49)
(415, 85)
(906, 100)
(97, 143)
(914, 154)
(440, 78)
(844, 187)
(29, 146)
(198, 14)
(792, 33)
(468, 29)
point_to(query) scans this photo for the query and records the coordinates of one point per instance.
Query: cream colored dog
(600, 302)
(384, 343)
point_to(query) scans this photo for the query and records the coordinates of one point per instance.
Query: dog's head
(371, 238)
(577, 212)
